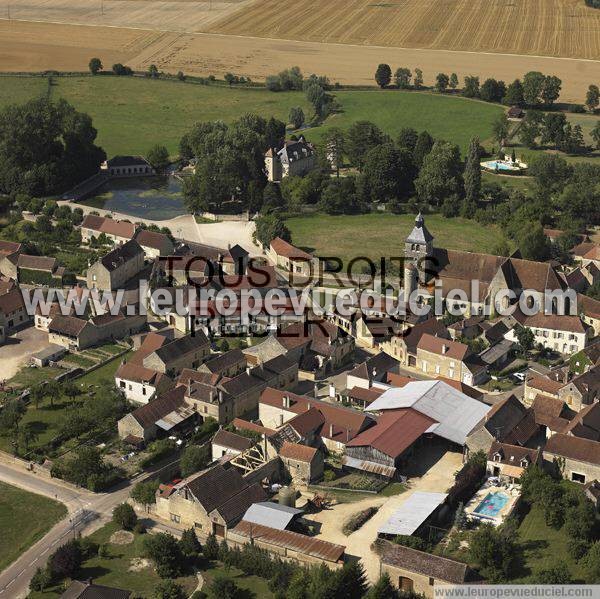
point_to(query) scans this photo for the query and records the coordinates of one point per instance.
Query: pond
(154, 198)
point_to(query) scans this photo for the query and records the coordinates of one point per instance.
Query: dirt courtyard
(437, 479)
(17, 350)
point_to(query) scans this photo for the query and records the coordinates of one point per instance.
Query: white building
(295, 158)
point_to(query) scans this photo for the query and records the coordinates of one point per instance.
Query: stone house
(403, 347)
(338, 425)
(497, 425)
(127, 166)
(581, 390)
(173, 356)
(291, 259)
(578, 459)
(233, 397)
(210, 502)
(541, 385)
(168, 413)
(415, 571)
(154, 244)
(227, 443)
(440, 357)
(34, 270)
(304, 464)
(229, 364)
(78, 333)
(589, 311)
(13, 311)
(116, 268)
(510, 461)
(117, 231)
(295, 158)
(564, 334)
(141, 384)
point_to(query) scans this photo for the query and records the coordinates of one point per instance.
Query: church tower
(417, 249)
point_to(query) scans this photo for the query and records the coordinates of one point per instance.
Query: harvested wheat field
(540, 27)
(42, 46)
(160, 15)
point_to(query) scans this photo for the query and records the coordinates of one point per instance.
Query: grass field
(18, 530)
(142, 112)
(543, 547)
(383, 235)
(454, 119)
(542, 27)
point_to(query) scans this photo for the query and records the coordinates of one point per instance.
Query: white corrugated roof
(456, 412)
(412, 513)
(273, 515)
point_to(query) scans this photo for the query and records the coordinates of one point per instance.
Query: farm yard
(564, 28)
(171, 107)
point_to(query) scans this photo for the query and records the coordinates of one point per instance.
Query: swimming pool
(492, 504)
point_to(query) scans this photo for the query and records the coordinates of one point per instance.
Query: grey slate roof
(420, 233)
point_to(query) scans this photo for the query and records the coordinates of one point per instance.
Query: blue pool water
(492, 504)
(501, 166)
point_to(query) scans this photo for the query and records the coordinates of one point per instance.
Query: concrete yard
(18, 348)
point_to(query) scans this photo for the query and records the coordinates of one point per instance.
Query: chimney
(444, 349)
(248, 369)
(286, 401)
(331, 430)
(220, 396)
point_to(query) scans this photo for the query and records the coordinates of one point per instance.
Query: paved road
(87, 512)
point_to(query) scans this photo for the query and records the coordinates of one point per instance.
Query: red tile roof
(294, 541)
(109, 226)
(394, 432)
(575, 448)
(295, 451)
(443, 347)
(287, 250)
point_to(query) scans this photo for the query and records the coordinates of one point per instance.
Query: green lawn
(118, 570)
(121, 569)
(18, 529)
(132, 114)
(382, 235)
(451, 118)
(543, 547)
(46, 420)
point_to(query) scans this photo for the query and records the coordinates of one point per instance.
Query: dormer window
(497, 457)
(524, 463)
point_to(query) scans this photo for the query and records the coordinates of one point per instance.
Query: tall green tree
(46, 147)
(533, 86)
(471, 87)
(388, 173)
(334, 142)
(158, 157)
(514, 94)
(383, 75)
(592, 98)
(296, 117)
(441, 174)
(441, 82)
(95, 66)
(270, 226)
(472, 178)
(360, 138)
(403, 77)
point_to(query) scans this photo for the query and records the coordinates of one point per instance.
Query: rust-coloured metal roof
(291, 540)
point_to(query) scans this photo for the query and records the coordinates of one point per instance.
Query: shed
(273, 515)
(413, 513)
(52, 353)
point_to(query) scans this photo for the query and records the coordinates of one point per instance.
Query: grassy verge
(18, 530)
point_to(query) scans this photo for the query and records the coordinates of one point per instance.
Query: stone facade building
(116, 268)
